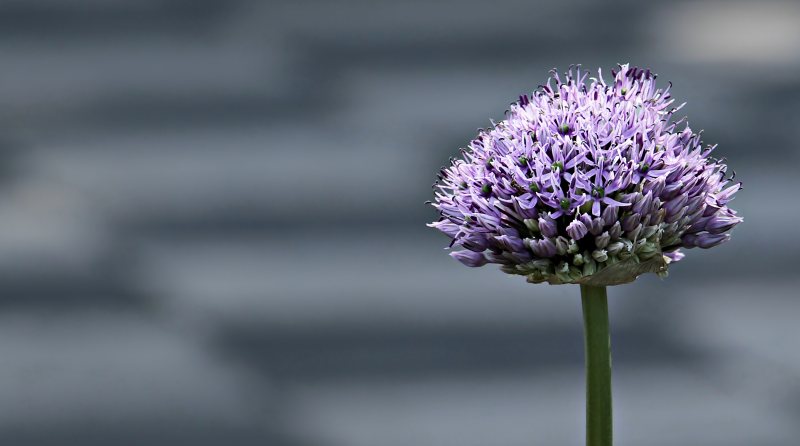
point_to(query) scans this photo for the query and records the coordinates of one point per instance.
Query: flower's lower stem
(598, 365)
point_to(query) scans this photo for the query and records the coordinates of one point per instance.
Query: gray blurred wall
(212, 227)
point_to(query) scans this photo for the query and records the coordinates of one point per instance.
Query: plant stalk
(597, 341)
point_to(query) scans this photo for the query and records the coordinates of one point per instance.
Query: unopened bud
(532, 225)
(561, 245)
(646, 251)
(615, 248)
(601, 241)
(601, 255)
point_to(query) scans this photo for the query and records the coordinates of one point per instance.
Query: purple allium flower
(586, 182)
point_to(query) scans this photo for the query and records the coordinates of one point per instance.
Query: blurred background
(212, 227)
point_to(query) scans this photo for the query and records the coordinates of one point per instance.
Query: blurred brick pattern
(212, 227)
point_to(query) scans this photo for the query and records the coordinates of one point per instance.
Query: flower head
(586, 182)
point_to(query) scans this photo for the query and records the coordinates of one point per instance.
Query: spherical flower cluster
(589, 183)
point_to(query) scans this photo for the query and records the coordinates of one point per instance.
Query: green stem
(598, 365)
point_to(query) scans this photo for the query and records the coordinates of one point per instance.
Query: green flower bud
(615, 248)
(648, 231)
(543, 265)
(561, 245)
(532, 224)
(572, 248)
(536, 277)
(601, 241)
(647, 251)
(601, 255)
(589, 267)
(562, 272)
